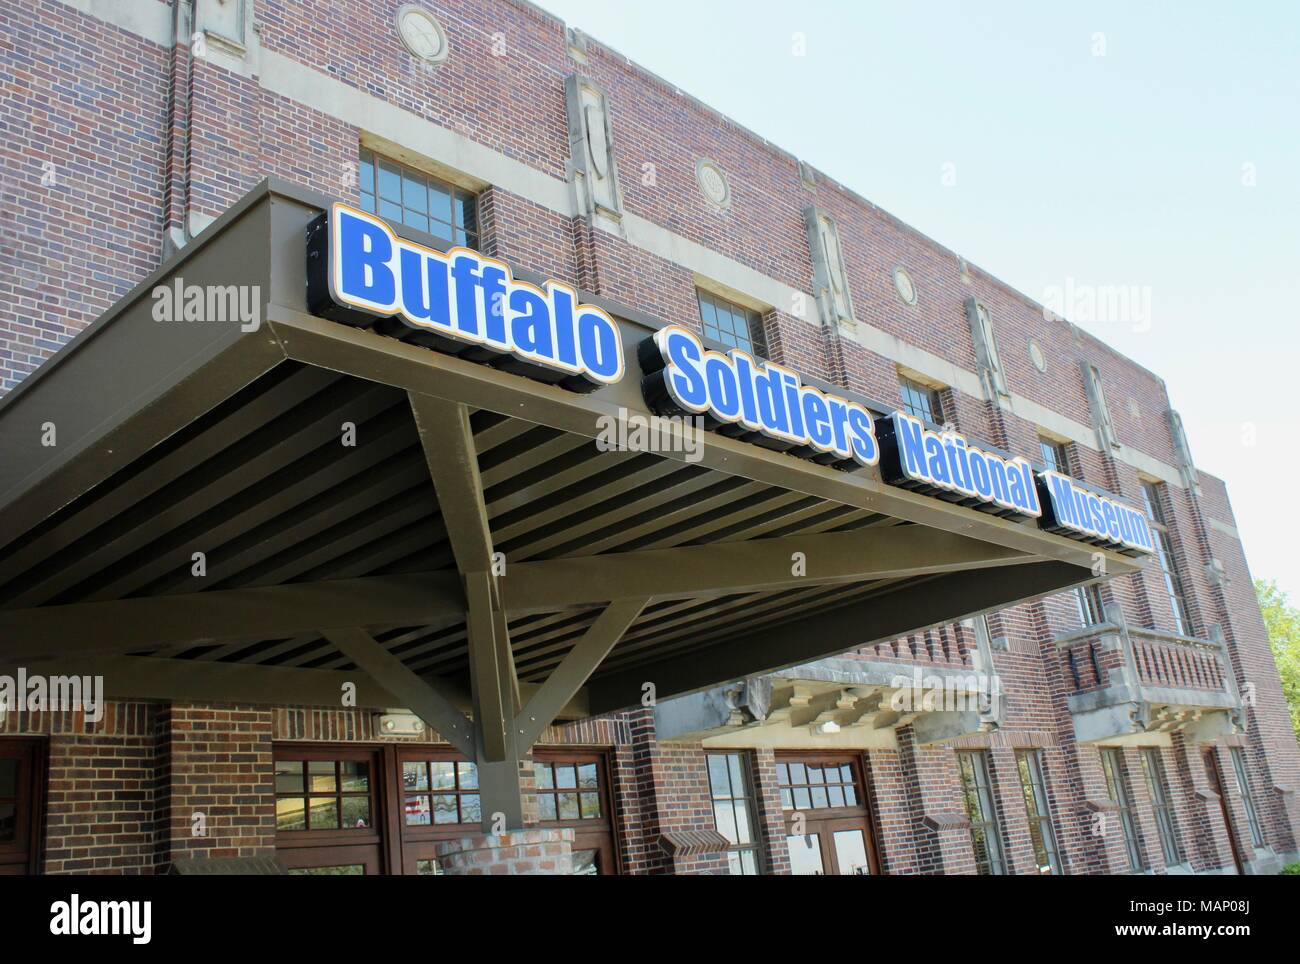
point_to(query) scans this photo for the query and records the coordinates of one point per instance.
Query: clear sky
(1153, 145)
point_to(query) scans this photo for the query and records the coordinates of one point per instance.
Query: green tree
(1283, 622)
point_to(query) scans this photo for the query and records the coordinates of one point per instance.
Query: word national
(1074, 510)
(464, 299)
(684, 377)
(945, 460)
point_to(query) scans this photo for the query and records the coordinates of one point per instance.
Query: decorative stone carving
(422, 34)
(222, 23)
(1036, 356)
(1183, 452)
(904, 286)
(829, 276)
(713, 183)
(592, 170)
(1101, 421)
(992, 375)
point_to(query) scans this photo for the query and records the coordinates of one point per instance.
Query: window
(1239, 765)
(440, 791)
(327, 810)
(1151, 494)
(322, 795)
(1055, 455)
(733, 810)
(734, 326)
(1112, 765)
(572, 792)
(985, 835)
(567, 791)
(1154, 769)
(416, 199)
(1092, 609)
(921, 401)
(828, 829)
(1030, 765)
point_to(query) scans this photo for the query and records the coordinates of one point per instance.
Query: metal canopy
(378, 562)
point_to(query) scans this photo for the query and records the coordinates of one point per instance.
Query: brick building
(1129, 723)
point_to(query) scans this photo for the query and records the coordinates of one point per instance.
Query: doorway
(827, 818)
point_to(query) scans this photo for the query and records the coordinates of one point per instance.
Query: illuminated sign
(1078, 512)
(946, 464)
(683, 377)
(463, 303)
(459, 302)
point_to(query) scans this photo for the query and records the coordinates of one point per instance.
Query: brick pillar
(220, 796)
(940, 826)
(769, 820)
(519, 852)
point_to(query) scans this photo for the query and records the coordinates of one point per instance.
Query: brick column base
(517, 852)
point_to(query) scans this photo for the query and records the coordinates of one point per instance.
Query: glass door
(828, 822)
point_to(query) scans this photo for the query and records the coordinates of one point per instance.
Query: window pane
(468, 775)
(337, 870)
(415, 193)
(547, 807)
(320, 774)
(291, 813)
(356, 775)
(356, 812)
(471, 808)
(565, 776)
(444, 808)
(366, 172)
(851, 852)
(568, 804)
(324, 813)
(719, 776)
(415, 776)
(544, 776)
(391, 210)
(440, 203)
(288, 776)
(590, 803)
(418, 812)
(724, 819)
(805, 854)
(442, 774)
(587, 775)
(390, 183)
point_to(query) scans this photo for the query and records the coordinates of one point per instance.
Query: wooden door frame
(340, 840)
(864, 810)
(1214, 771)
(609, 799)
(33, 815)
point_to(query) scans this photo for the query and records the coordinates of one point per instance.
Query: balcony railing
(1125, 681)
